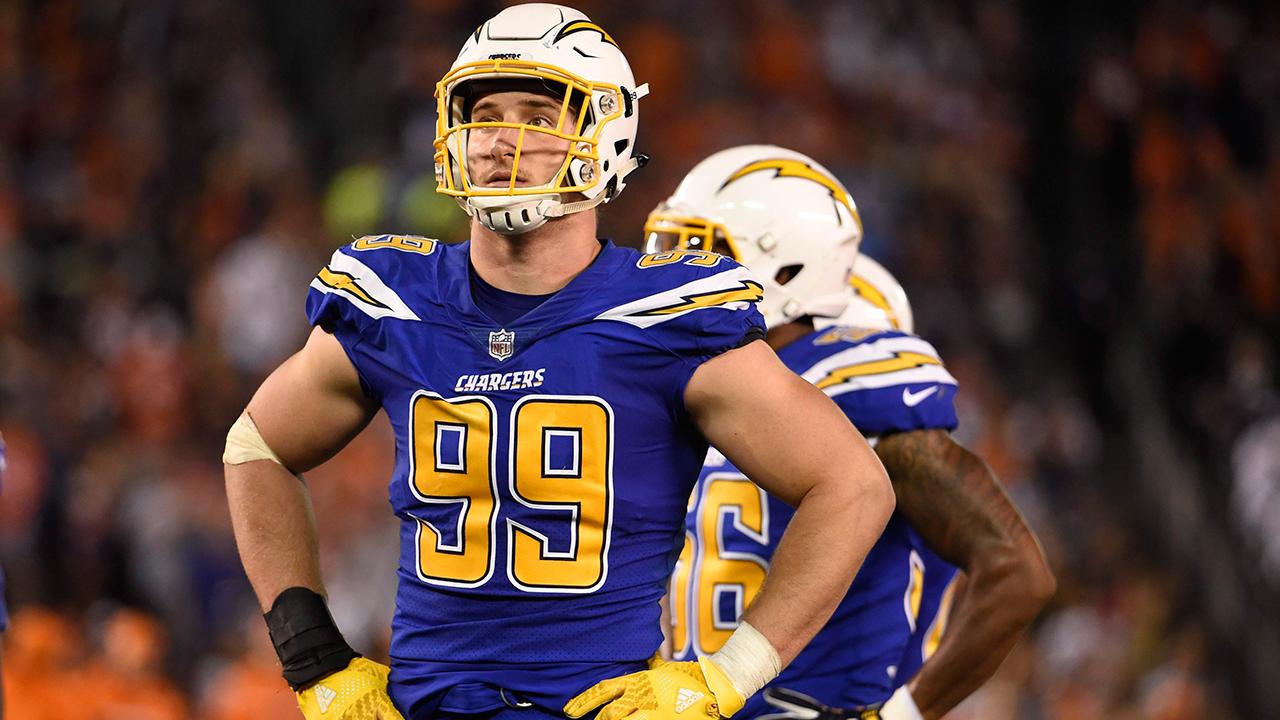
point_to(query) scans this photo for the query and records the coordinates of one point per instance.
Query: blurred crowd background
(1083, 203)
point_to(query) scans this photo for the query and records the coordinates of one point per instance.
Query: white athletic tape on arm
(901, 706)
(748, 660)
(245, 444)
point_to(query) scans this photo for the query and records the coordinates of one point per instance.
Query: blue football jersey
(542, 468)
(885, 381)
(938, 592)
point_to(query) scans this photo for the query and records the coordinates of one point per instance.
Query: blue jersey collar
(555, 312)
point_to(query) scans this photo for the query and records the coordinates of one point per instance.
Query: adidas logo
(686, 697)
(324, 696)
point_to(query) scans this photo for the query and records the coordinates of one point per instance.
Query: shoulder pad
(357, 287)
(731, 287)
(882, 359)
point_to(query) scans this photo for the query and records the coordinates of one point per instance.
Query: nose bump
(504, 142)
(507, 135)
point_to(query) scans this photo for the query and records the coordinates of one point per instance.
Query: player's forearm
(1003, 594)
(809, 573)
(797, 445)
(275, 529)
(960, 510)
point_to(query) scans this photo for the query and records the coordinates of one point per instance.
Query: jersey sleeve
(704, 315)
(348, 297)
(893, 383)
(702, 312)
(725, 316)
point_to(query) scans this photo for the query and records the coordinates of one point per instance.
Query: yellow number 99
(453, 463)
(581, 486)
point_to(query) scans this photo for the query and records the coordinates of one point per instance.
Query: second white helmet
(778, 212)
(877, 301)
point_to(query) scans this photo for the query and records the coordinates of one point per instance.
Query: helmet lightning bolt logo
(872, 295)
(795, 168)
(579, 26)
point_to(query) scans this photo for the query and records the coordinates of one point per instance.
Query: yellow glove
(667, 691)
(357, 692)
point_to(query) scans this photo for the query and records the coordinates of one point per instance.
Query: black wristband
(307, 639)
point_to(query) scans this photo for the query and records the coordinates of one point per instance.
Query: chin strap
(628, 167)
(573, 207)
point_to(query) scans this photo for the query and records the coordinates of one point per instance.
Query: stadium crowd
(173, 172)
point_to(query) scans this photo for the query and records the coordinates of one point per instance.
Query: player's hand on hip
(791, 705)
(668, 691)
(357, 692)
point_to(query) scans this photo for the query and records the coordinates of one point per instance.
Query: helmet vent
(621, 145)
(787, 274)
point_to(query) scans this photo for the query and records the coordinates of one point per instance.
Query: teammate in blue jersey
(552, 398)
(783, 216)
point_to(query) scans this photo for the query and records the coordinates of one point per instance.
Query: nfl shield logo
(502, 343)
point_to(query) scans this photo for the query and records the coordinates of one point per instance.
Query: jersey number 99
(454, 463)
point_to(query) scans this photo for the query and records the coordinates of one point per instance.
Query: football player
(552, 397)
(793, 224)
(877, 300)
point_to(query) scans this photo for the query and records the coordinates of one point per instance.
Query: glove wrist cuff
(306, 638)
(748, 660)
(900, 706)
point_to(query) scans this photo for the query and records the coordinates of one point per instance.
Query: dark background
(1080, 199)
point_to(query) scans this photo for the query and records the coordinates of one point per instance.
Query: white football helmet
(878, 301)
(776, 211)
(561, 50)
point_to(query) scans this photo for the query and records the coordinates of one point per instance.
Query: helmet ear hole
(787, 274)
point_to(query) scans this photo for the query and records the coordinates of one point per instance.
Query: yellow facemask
(666, 231)
(593, 100)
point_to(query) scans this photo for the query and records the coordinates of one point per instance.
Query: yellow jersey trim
(900, 361)
(346, 283)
